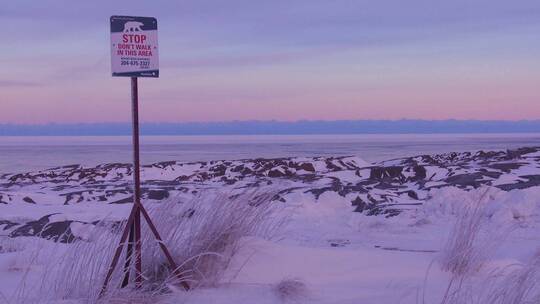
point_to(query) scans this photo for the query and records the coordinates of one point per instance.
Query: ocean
(23, 154)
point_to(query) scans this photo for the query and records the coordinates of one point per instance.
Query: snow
(377, 260)
(85, 212)
(342, 256)
(382, 260)
(533, 154)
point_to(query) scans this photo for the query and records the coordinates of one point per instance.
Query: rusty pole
(137, 181)
(133, 226)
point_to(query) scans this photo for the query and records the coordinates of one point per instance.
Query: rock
(157, 194)
(533, 180)
(306, 167)
(361, 206)
(412, 194)
(419, 173)
(7, 224)
(56, 231)
(28, 200)
(386, 173)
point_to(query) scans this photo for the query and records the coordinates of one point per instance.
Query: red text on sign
(133, 38)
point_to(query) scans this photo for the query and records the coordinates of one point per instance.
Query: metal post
(118, 251)
(129, 254)
(136, 180)
(133, 226)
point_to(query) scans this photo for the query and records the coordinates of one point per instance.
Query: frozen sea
(23, 154)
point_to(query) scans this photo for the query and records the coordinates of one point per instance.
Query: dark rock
(464, 180)
(518, 153)
(361, 206)
(335, 186)
(157, 194)
(56, 231)
(419, 173)
(331, 166)
(387, 173)
(491, 174)
(28, 200)
(162, 165)
(307, 167)
(357, 188)
(533, 181)
(412, 194)
(506, 167)
(7, 224)
(281, 171)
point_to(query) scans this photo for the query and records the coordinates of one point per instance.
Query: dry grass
(464, 252)
(467, 249)
(74, 271)
(202, 236)
(462, 255)
(520, 285)
(515, 284)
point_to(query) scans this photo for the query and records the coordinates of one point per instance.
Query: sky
(276, 60)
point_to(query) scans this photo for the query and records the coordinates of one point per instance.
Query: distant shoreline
(312, 127)
(525, 133)
(351, 135)
(30, 153)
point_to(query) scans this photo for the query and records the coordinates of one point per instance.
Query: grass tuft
(202, 235)
(291, 290)
(462, 254)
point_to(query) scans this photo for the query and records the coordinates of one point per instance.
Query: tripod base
(133, 228)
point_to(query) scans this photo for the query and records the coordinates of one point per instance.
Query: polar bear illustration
(133, 26)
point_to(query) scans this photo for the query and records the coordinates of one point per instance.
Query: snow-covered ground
(355, 232)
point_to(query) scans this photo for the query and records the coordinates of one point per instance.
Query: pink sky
(482, 66)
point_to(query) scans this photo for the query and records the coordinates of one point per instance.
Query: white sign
(134, 46)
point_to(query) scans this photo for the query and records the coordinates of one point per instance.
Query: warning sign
(134, 46)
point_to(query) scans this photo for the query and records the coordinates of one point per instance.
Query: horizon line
(277, 121)
(303, 127)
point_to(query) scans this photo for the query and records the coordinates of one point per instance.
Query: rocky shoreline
(385, 188)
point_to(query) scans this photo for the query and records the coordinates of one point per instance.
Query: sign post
(134, 53)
